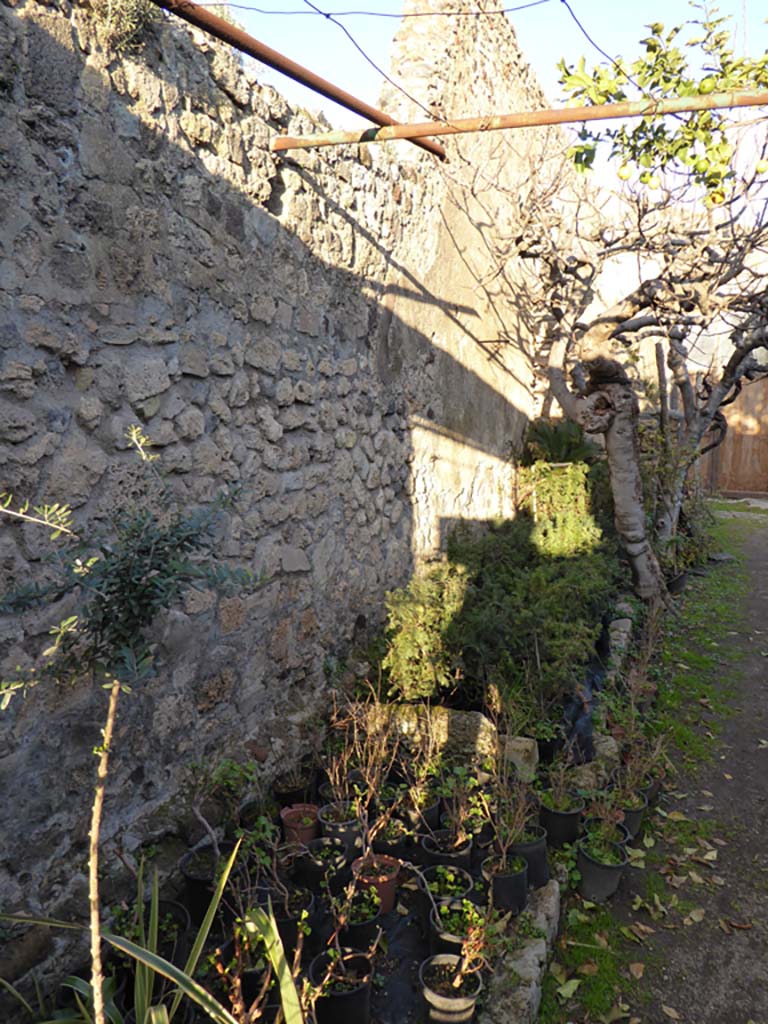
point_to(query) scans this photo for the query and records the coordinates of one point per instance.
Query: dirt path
(706, 960)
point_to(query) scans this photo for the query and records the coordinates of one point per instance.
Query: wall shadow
(138, 284)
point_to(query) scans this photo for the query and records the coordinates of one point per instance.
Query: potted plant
(451, 982)
(449, 991)
(341, 987)
(357, 919)
(451, 922)
(442, 882)
(452, 844)
(512, 817)
(395, 839)
(507, 872)
(300, 824)
(561, 807)
(322, 864)
(374, 744)
(600, 862)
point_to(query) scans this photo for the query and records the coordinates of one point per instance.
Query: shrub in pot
(600, 863)
(380, 872)
(298, 785)
(342, 983)
(449, 994)
(395, 838)
(358, 918)
(512, 816)
(560, 806)
(341, 821)
(507, 877)
(322, 863)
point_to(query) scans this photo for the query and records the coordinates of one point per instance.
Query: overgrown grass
(594, 951)
(735, 505)
(694, 695)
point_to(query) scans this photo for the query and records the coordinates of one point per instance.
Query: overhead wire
(329, 17)
(378, 14)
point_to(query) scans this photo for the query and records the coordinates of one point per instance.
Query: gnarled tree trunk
(609, 406)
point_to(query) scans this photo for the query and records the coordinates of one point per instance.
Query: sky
(546, 32)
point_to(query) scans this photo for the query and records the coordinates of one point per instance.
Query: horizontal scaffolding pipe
(229, 33)
(526, 119)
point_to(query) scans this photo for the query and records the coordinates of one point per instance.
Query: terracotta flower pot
(300, 823)
(379, 872)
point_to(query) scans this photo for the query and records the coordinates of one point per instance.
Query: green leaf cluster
(512, 615)
(122, 574)
(695, 144)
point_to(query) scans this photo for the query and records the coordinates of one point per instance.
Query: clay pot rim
(358, 868)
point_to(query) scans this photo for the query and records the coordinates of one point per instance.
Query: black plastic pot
(400, 848)
(349, 832)
(430, 874)
(652, 790)
(509, 890)
(633, 817)
(436, 853)
(198, 869)
(288, 922)
(534, 853)
(448, 1009)
(312, 870)
(300, 792)
(441, 941)
(352, 1006)
(426, 901)
(360, 934)
(423, 818)
(622, 831)
(562, 826)
(549, 749)
(599, 881)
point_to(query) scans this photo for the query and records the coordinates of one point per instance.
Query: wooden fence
(740, 464)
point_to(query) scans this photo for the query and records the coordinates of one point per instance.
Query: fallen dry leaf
(724, 926)
(589, 968)
(601, 940)
(742, 927)
(718, 880)
(642, 929)
(568, 990)
(676, 880)
(695, 878)
(720, 842)
(558, 972)
(668, 1011)
(677, 816)
(637, 970)
(707, 792)
(727, 776)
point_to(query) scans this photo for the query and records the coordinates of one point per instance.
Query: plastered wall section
(329, 331)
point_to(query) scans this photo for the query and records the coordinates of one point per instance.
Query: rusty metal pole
(526, 119)
(246, 43)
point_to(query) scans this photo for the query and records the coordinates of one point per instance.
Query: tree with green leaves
(120, 578)
(688, 232)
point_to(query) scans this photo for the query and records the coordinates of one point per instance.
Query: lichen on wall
(326, 330)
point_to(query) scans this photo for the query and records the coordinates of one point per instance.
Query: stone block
(293, 559)
(523, 752)
(145, 377)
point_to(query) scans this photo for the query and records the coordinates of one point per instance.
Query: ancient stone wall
(331, 331)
